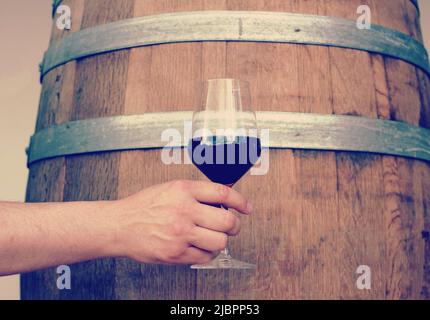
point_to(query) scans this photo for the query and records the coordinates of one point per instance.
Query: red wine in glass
(225, 144)
(224, 161)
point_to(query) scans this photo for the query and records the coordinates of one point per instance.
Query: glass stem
(225, 252)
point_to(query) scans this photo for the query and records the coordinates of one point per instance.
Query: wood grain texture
(95, 177)
(358, 209)
(46, 179)
(318, 215)
(407, 208)
(319, 196)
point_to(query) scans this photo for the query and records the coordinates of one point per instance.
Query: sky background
(24, 33)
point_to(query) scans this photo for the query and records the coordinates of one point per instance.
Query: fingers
(195, 255)
(213, 193)
(216, 219)
(207, 240)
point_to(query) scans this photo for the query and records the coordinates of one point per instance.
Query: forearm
(34, 236)
(166, 223)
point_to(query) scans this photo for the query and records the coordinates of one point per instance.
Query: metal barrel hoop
(287, 131)
(253, 26)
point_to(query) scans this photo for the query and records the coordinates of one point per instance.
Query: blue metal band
(287, 130)
(234, 26)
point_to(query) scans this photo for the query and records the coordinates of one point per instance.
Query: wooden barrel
(319, 215)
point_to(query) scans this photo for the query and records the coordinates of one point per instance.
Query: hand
(173, 223)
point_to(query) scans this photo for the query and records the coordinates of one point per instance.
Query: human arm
(168, 223)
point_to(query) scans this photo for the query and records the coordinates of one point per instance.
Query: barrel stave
(327, 212)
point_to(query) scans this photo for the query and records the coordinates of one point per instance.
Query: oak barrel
(319, 215)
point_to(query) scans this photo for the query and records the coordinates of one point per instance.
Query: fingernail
(249, 207)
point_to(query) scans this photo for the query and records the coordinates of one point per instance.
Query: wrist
(107, 228)
(128, 231)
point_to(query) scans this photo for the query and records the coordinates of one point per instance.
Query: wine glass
(225, 144)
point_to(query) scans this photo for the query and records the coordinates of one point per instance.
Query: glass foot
(224, 261)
